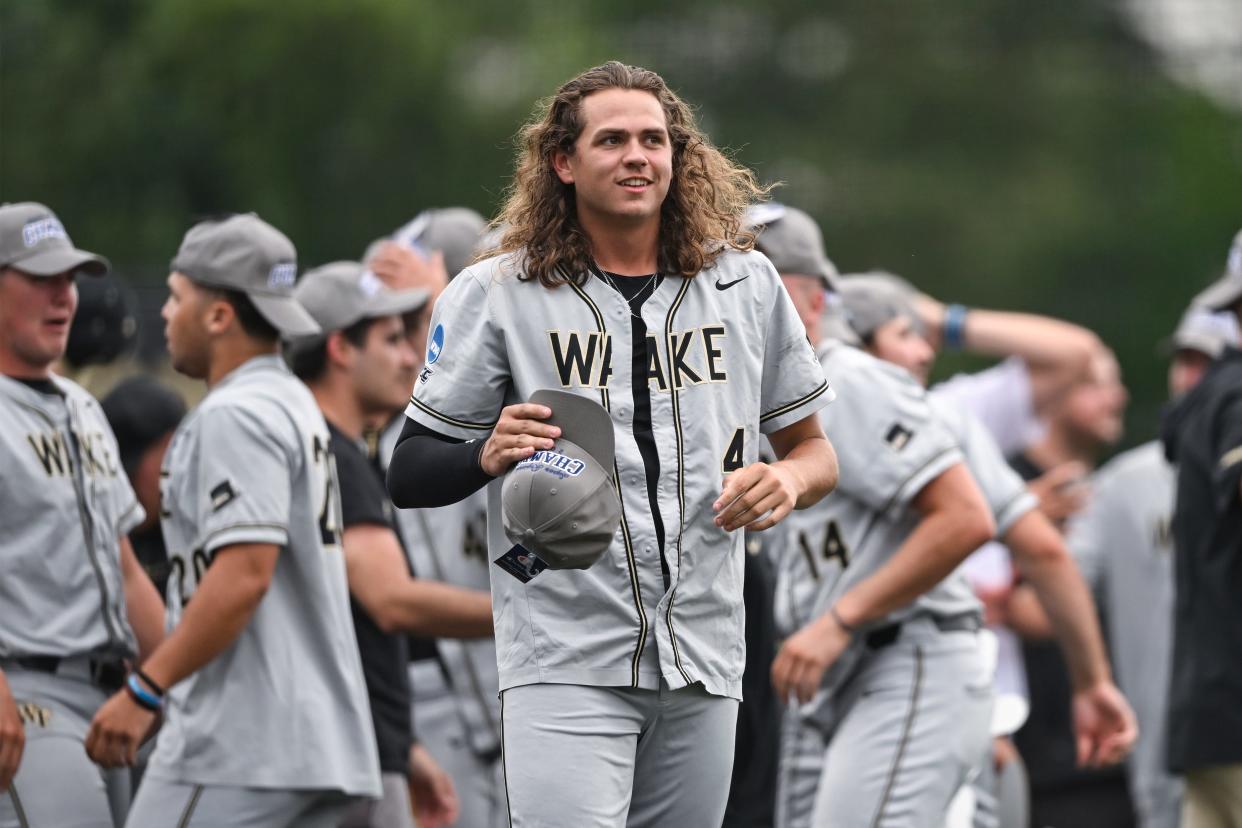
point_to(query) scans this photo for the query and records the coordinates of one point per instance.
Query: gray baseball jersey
(66, 503)
(729, 359)
(449, 544)
(285, 705)
(1123, 545)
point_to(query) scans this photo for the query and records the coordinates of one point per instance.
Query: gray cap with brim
(457, 232)
(246, 254)
(874, 299)
(340, 294)
(562, 504)
(1225, 292)
(792, 241)
(1208, 332)
(33, 240)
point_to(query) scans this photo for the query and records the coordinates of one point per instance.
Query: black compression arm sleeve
(430, 469)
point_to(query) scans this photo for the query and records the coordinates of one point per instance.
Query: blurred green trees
(1006, 153)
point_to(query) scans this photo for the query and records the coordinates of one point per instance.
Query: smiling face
(35, 315)
(622, 163)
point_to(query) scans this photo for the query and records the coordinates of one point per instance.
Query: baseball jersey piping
(18, 810)
(905, 736)
(631, 563)
(681, 478)
(504, 765)
(190, 807)
(88, 531)
(249, 525)
(785, 409)
(936, 458)
(444, 418)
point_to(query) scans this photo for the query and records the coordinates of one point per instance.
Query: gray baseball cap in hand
(341, 293)
(792, 241)
(562, 504)
(34, 241)
(1226, 291)
(246, 254)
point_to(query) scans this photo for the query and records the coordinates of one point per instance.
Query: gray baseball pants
(607, 757)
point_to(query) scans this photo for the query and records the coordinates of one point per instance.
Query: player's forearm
(222, 606)
(143, 604)
(1045, 563)
(1041, 341)
(813, 464)
(435, 610)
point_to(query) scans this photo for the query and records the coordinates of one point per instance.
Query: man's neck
(230, 354)
(18, 369)
(1058, 446)
(623, 249)
(340, 408)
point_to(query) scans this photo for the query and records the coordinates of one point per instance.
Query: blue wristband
(953, 331)
(145, 698)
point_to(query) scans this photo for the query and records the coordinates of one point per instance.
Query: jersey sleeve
(794, 385)
(1003, 488)
(244, 480)
(1001, 398)
(363, 498)
(462, 386)
(889, 443)
(1228, 470)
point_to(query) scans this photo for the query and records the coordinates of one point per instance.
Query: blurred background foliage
(1041, 156)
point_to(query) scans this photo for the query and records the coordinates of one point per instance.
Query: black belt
(107, 674)
(886, 635)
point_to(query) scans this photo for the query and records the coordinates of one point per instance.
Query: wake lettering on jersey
(57, 460)
(696, 356)
(631, 563)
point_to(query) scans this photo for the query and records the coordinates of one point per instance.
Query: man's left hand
(751, 493)
(117, 731)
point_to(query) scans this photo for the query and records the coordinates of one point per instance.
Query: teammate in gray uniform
(358, 368)
(881, 650)
(267, 722)
(457, 691)
(74, 602)
(1123, 544)
(1104, 724)
(625, 279)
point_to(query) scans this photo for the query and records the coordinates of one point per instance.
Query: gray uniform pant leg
(441, 730)
(1002, 800)
(914, 722)
(800, 765)
(163, 803)
(57, 785)
(393, 810)
(605, 757)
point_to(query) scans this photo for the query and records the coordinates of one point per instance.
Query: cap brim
(396, 302)
(285, 314)
(60, 260)
(581, 421)
(1209, 345)
(1222, 294)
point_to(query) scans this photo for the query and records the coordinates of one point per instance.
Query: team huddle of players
(322, 658)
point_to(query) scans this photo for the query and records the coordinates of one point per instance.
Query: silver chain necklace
(651, 280)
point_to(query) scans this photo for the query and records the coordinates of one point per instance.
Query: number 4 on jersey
(734, 454)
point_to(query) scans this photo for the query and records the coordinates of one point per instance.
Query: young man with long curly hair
(623, 276)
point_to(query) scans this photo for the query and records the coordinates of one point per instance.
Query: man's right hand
(1062, 491)
(518, 434)
(12, 736)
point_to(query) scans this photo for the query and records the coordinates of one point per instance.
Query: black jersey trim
(785, 409)
(190, 807)
(18, 810)
(504, 761)
(444, 418)
(681, 479)
(631, 563)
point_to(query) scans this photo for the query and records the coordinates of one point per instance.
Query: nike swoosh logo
(726, 285)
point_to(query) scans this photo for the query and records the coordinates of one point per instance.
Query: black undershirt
(42, 385)
(636, 290)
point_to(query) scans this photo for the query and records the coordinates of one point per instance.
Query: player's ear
(560, 165)
(338, 349)
(218, 315)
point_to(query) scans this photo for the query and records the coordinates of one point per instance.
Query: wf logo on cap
(562, 465)
(283, 275)
(48, 228)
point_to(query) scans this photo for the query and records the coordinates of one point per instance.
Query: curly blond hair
(700, 218)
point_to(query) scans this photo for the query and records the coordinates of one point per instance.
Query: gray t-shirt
(728, 361)
(1123, 544)
(66, 502)
(285, 705)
